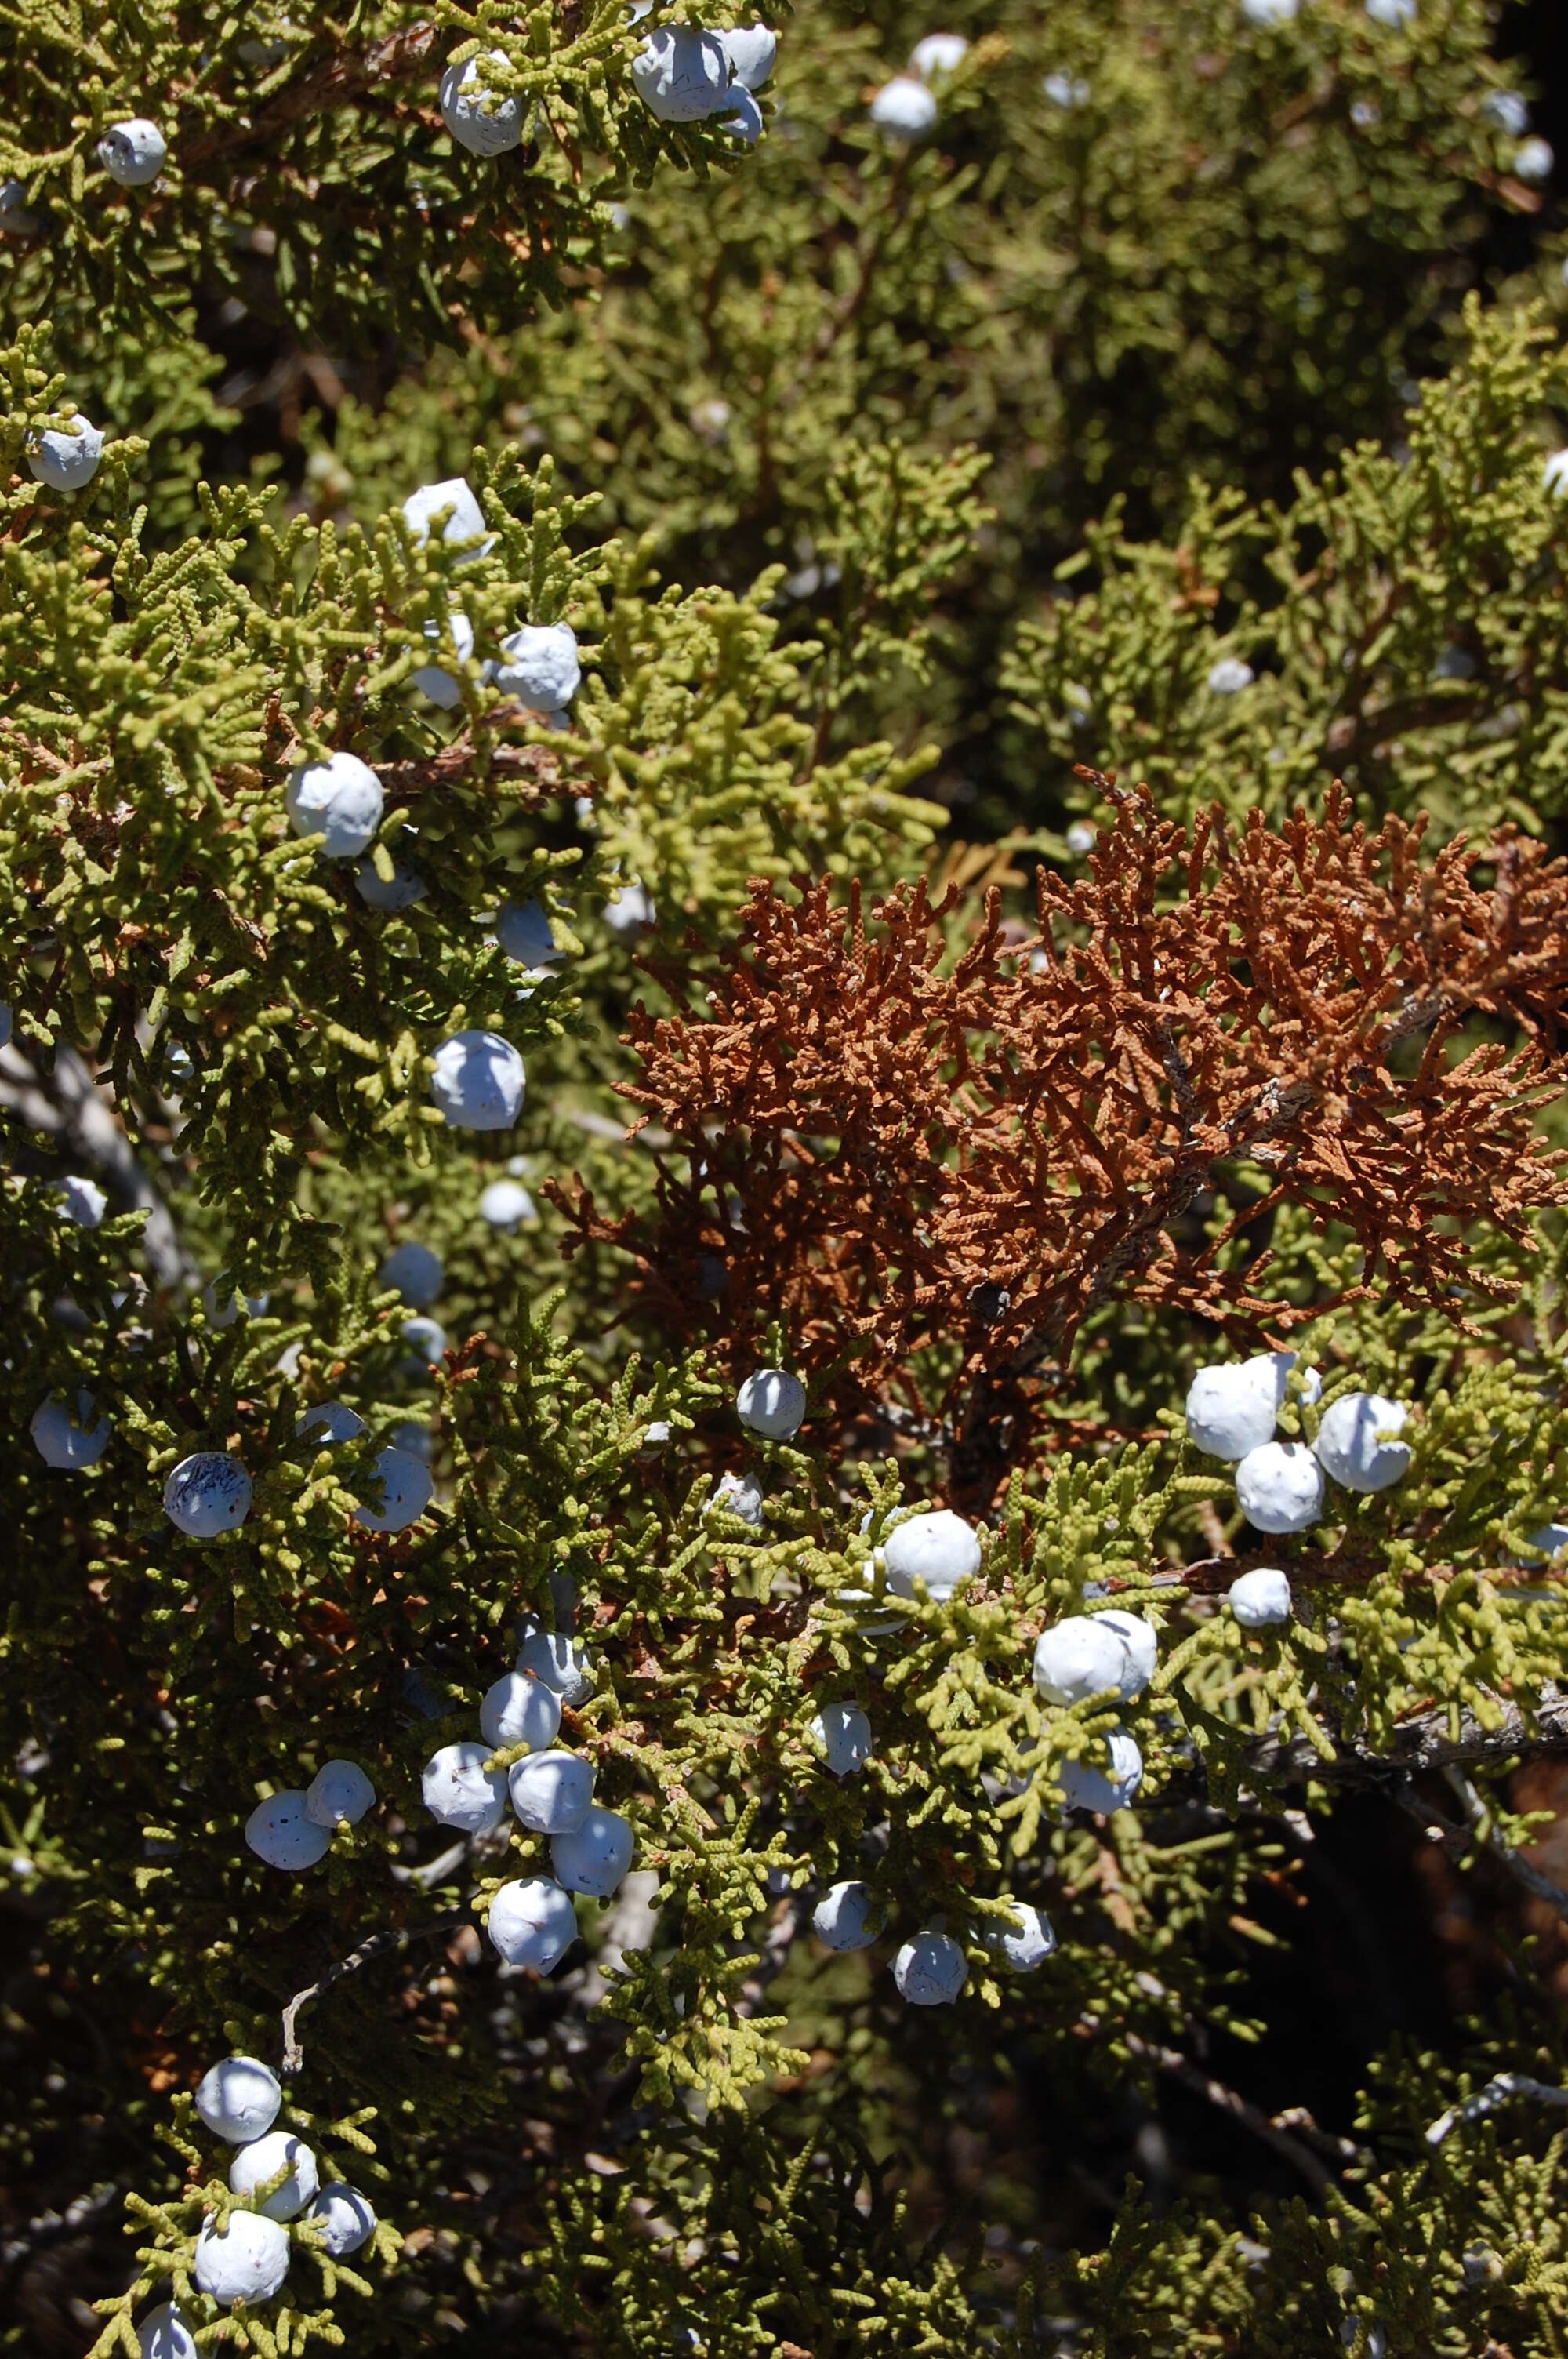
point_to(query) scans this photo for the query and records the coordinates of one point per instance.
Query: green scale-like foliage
(1215, 244)
(162, 700)
(863, 474)
(1404, 615)
(306, 151)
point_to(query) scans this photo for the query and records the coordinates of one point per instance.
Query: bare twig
(396, 1940)
(781, 1936)
(1425, 1742)
(1456, 1843)
(631, 1924)
(1171, 2061)
(1479, 1821)
(436, 1870)
(347, 79)
(70, 1105)
(1487, 2100)
(49, 2227)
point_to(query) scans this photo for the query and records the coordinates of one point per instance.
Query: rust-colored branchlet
(886, 1145)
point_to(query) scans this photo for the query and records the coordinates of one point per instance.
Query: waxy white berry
(1088, 1652)
(439, 686)
(465, 519)
(1067, 91)
(405, 1492)
(930, 1970)
(1347, 1444)
(520, 1710)
(505, 1205)
(1234, 1407)
(628, 910)
(682, 73)
(737, 1495)
(936, 1546)
(68, 1441)
(66, 457)
(1554, 471)
(753, 51)
(166, 2333)
(595, 1856)
(1261, 1598)
(1396, 13)
(1076, 1658)
(486, 122)
(839, 1918)
(741, 117)
(333, 1421)
(416, 1270)
(1088, 1787)
(904, 109)
(427, 1338)
(843, 1734)
(477, 1081)
(405, 887)
(939, 53)
(711, 419)
(247, 2261)
(1535, 159)
(532, 1923)
(339, 1795)
(551, 1792)
(343, 2216)
(1279, 1488)
(461, 1792)
(1142, 1643)
(223, 1313)
(1230, 676)
(78, 1200)
(1507, 111)
(1270, 11)
(339, 799)
(524, 930)
(238, 2099)
(207, 1494)
(772, 1403)
(133, 153)
(1550, 1539)
(540, 667)
(280, 1833)
(1026, 1942)
(563, 1664)
(258, 2162)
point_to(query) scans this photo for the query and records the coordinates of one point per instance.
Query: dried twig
(1225, 2100)
(1487, 2100)
(393, 1941)
(1426, 1742)
(1457, 1845)
(926, 1152)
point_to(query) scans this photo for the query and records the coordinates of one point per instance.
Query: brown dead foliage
(887, 1146)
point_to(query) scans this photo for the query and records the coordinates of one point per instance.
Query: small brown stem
(395, 1938)
(1225, 2100)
